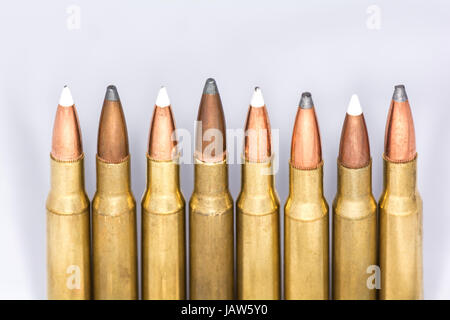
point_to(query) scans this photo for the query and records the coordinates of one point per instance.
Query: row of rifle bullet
(364, 240)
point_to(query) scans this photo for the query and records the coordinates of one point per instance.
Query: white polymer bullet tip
(163, 98)
(354, 107)
(66, 99)
(257, 99)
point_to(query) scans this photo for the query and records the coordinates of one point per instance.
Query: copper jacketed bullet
(257, 215)
(306, 212)
(354, 212)
(400, 207)
(211, 206)
(163, 208)
(114, 208)
(68, 227)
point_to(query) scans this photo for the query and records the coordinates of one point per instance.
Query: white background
(285, 47)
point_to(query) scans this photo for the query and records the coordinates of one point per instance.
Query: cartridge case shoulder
(67, 194)
(162, 204)
(263, 204)
(67, 204)
(400, 205)
(211, 204)
(400, 194)
(306, 201)
(355, 209)
(163, 194)
(113, 205)
(113, 196)
(306, 211)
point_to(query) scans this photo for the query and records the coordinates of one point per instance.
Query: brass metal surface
(400, 210)
(211, 244)
(306, 270)
(114, 233)
(163, 233)
(68, 233)
(354, 234)
(258, 234)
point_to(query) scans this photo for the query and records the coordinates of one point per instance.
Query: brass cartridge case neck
(67, 194)
(163, 177)
(306, 185)
(257, 178)
(108, 175)
(354, 183)
(67, 176)
(203, 171)
(400, 179)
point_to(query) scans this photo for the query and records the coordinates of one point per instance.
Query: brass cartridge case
(68, 233)
(163, 233)
(400, 210)
(211, 233)
(114, 233)
(258, 235)
(306, 270)
(354, 234)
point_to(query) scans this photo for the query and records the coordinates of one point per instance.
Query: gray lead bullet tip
(210, 87)
(112, 94)
(306, 101)
(400, 94)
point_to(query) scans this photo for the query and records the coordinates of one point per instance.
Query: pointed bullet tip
(163, 98)
(400, 93)
(210, 87)
(354, 107)
(257, 98)
(112, 94)
(66, 100)
(306, 101)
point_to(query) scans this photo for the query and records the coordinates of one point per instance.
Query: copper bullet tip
(400, 138)
(399, 93)
(210, 139)
(306, 149)
(306, 101)
(354, 149)
(112, 144)
(66, 141)
(210, 87)
(162, 141)
(257, 146)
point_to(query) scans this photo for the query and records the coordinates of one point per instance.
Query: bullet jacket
(400, 210)
(306, 236)
(68, 233)
(211, 233)
(354, 235)
(163, 233)
(258, 237)
(114, 233)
